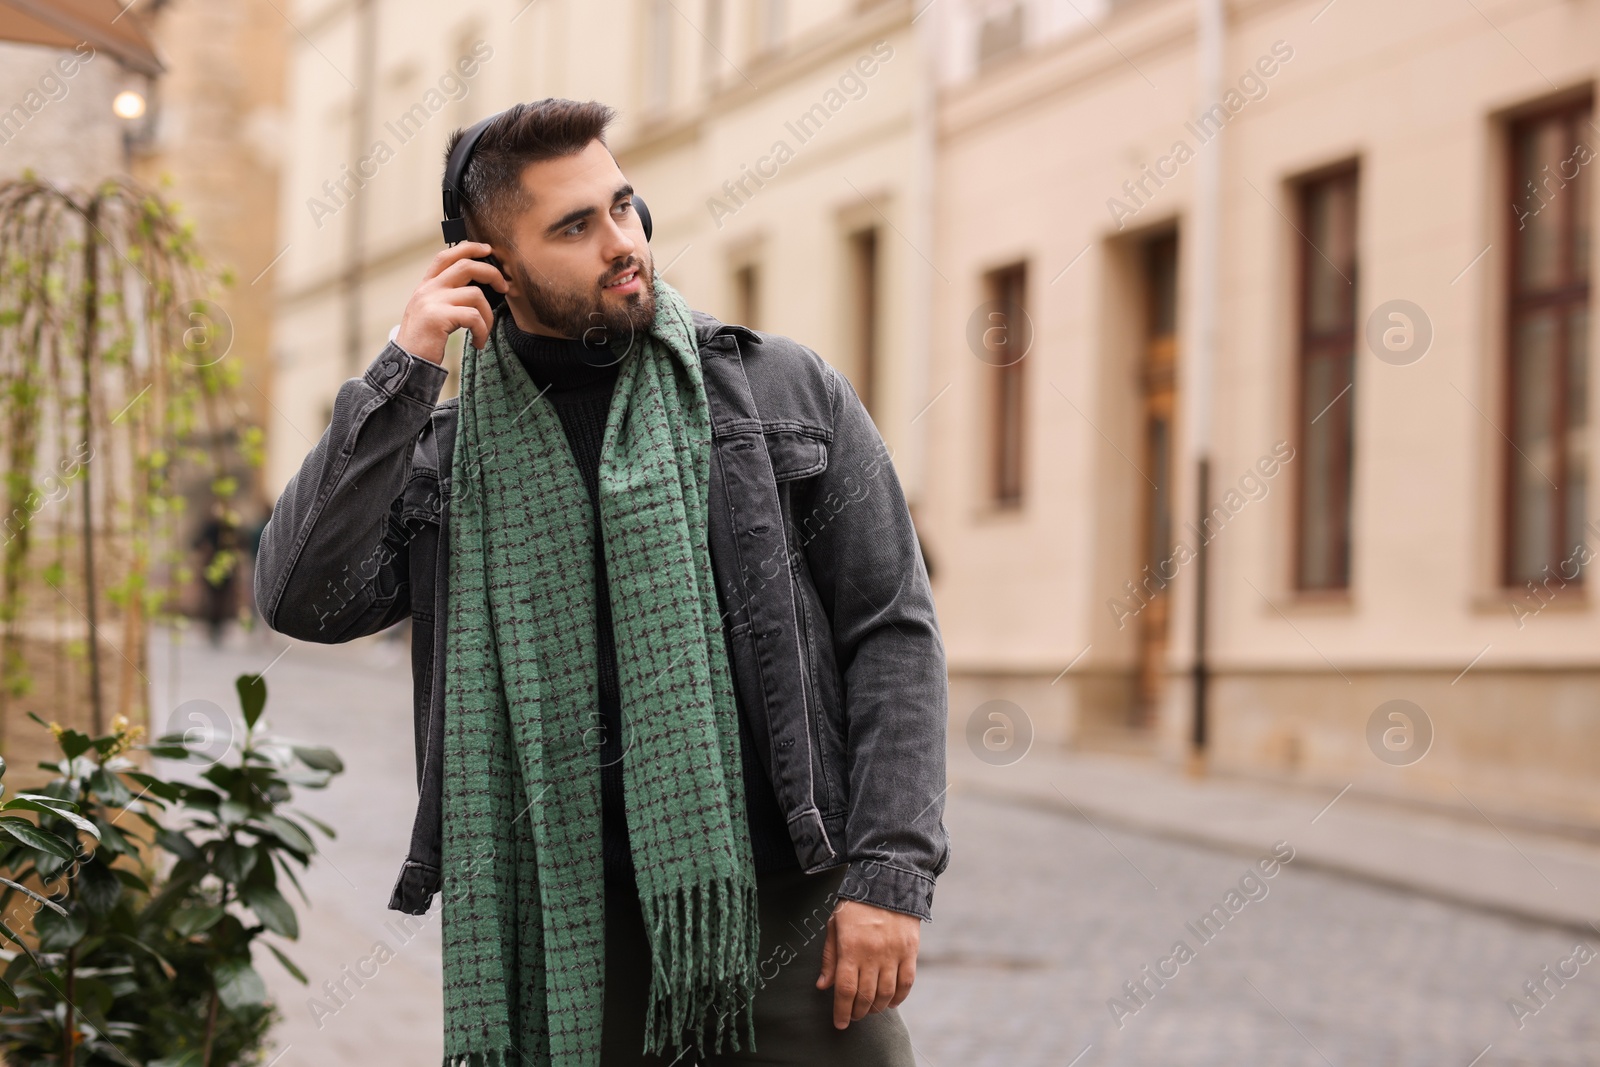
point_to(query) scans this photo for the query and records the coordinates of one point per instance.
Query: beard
(587, 314)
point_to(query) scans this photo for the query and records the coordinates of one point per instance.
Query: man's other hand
(869, 958)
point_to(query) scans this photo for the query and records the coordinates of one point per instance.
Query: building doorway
(1158, 403)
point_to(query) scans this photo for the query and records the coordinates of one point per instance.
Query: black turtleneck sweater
(578, 381)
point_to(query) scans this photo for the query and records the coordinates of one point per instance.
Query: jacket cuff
(900, 889)
(414, 889)
(396, 372)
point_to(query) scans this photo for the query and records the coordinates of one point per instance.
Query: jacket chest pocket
(795, 453)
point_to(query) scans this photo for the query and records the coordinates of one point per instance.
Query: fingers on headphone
(463, 272)
(454, 253)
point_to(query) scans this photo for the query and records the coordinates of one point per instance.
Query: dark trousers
(793, 1018)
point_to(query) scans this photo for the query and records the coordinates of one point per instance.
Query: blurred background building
(1354, 269)
(72, 76)
(212, 140)
(1065, 252)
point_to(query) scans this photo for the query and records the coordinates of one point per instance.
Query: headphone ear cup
(495, 297)
(644, 214)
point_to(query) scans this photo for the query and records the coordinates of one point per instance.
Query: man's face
(573, 247)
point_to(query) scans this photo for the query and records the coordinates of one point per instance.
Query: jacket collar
(708, 326)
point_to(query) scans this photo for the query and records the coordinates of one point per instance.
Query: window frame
(864, 247)
(1006, 437)
(1307, 347)
(1578, 111)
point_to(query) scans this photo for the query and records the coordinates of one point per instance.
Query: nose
(620, 244)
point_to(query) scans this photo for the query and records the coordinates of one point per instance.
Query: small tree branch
(211, 1029)
(69, 1032)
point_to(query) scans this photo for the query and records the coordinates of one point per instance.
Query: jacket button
(390, 368)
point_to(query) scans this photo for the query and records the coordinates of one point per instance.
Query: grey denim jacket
(834, 646)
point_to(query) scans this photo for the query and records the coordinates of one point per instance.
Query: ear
(494, 261)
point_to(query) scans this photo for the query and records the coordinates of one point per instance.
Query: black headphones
(455, 226)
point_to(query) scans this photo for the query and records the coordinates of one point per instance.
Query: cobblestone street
(1041, 919)
(1039, 922)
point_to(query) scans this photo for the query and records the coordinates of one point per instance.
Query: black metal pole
(1201, 667)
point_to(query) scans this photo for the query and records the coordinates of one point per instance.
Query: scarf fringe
(493, 1058)
(716, 976)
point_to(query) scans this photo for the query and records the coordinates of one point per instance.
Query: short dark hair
(520, 135)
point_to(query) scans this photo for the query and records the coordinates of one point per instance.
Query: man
(679, 684)
(217, 536)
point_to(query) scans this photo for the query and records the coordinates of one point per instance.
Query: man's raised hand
(446, 300)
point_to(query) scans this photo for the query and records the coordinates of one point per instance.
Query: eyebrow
(579, 214)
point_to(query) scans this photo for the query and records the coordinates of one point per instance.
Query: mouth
(627, 282)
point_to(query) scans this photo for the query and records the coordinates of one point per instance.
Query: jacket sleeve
(867, 566)
(332, 565)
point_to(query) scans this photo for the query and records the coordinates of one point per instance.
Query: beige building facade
(1371, 251)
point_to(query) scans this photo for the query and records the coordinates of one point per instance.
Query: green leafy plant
(32, 851)
(144, 953)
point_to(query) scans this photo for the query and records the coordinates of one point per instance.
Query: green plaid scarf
(523, 902)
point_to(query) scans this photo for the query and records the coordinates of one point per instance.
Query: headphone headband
(455, 171)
